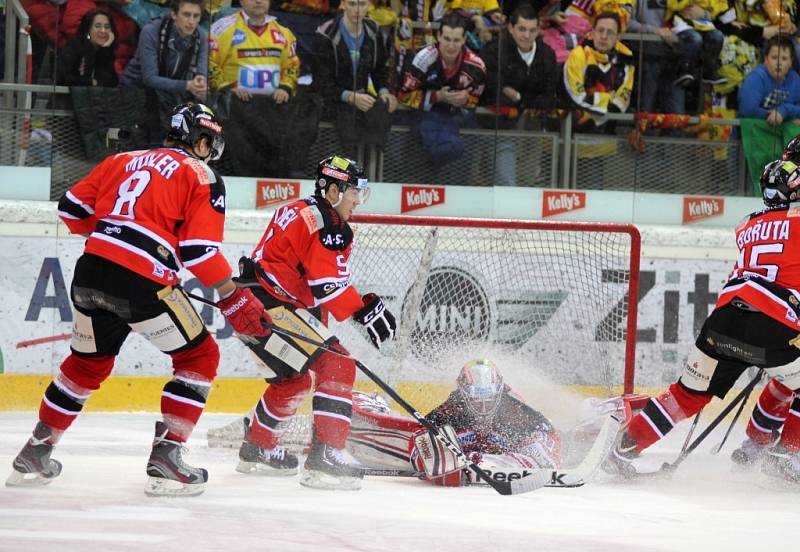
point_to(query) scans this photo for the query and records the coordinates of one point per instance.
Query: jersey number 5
(753, 267)
(129, 191)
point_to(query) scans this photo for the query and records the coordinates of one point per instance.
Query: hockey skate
(228, 436)
(33, 465)
(620, 460)
(780, 463)
(272, 462)
(330, 468)
(169, 475)
(748, 455)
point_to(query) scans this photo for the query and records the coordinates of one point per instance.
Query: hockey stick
(535, 481)
(691, 431)
(717, 448)
(741, 397)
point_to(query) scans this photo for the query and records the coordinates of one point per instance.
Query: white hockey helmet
(481, 387)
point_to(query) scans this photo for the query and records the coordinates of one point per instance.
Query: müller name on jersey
(162, 162)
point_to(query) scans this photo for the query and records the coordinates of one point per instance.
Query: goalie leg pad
(431, 454)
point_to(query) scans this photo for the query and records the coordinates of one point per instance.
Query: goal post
(556, 296)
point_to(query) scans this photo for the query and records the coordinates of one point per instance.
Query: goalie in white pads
(492, 425)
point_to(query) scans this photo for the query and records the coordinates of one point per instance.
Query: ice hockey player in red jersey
(299, 267)
(772, 406)
(756, 322)
(146, 214)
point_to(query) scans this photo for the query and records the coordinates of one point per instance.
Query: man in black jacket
(349, 52)
(520, 86)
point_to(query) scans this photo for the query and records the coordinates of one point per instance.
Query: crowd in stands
(273, 69)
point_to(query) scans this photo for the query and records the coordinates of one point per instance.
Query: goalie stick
(524, 485)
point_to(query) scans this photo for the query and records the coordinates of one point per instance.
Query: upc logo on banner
(419, 197)
(699, 208)
(555, 203)
(270, 192)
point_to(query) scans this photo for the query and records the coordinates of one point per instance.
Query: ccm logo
(270, 192)
(555, 203)
(699, 208)
(420, 197)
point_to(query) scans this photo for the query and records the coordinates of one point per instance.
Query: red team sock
(790, 436)
(65, 396)
(770, 412)
(333, 399)
(184, 397)
(663, 413)
(278, 404)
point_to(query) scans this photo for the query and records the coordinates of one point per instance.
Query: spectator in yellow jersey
(252, 61)
(598, 74)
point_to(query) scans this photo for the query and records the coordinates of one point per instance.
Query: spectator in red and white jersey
(756, 322)
(146, 215)
(444, 81)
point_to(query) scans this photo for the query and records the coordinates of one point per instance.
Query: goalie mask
(780, 183)
(192, 121)
(481, 387)
(343, 172)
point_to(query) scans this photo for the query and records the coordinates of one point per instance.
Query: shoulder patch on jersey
(312, 220)
(426, 57)
(221, 25)
(205, 174)
(793, 212)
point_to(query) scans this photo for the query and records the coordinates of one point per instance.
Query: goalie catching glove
(377, 319)
(245, 313)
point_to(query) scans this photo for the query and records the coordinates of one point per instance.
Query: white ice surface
(98, 504)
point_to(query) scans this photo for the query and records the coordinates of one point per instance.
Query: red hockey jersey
(152, 212)
(302, 258)
(767, 272)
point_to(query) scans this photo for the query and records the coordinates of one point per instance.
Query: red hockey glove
(246, 313)
(377, 319)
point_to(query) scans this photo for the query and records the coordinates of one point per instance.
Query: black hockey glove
(378, 320)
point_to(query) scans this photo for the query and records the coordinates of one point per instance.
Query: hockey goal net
(554, 299)
(552, 303)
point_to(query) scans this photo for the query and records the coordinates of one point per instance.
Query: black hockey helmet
(780, 183)
(191, 121)
(481, 387)
(792, 150)
(343, 172)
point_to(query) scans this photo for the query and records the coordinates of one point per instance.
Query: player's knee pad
(202, 359)
(788, 374)
(290, 390)
(698, 371)
(87, 372)
(331, 367)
